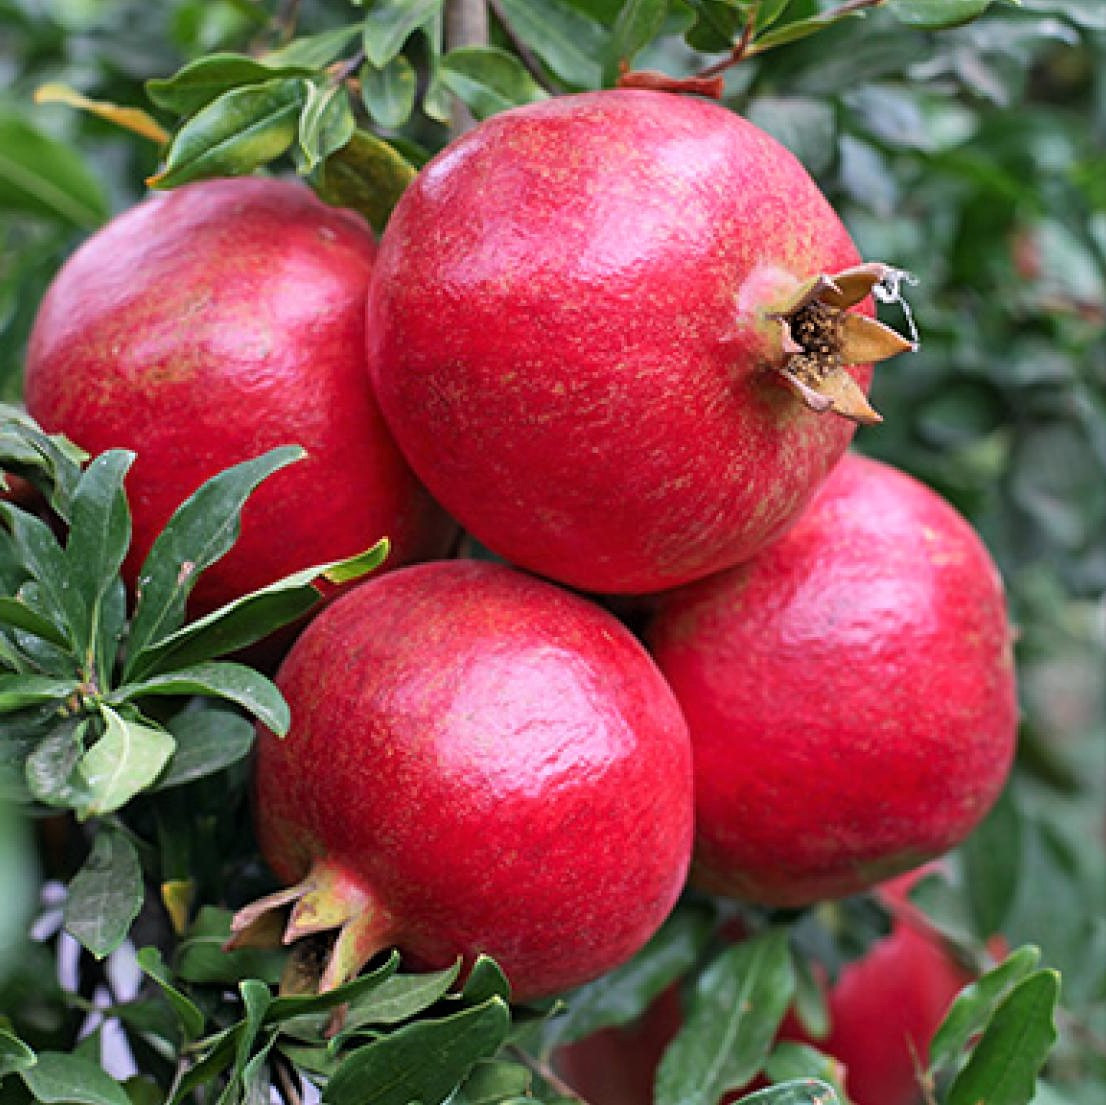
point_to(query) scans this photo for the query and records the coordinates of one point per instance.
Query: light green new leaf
(235, 133)
(43, 177)
(739, 1002)
(126, 759)
(564, 38)
(488, 80)
(389, 93)
(389, 23)
(105, 895)
(234, 682)
(1003, 1067)
(326, 123)
(936, 14)
(199, 82)
(72, 1079)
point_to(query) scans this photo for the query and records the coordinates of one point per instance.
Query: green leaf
(235, 133)
(201, 530)
(936, 14)
(45, 560)
(493, 1081)
(201, 958)
(199, 82)
(389, 93)
(486, 980)
(126, 759)
(51, 769)
(488, 80)
(234, 682)
(16, 613)
(422, 1061)
(18, 691)
(1003, 1067)
(790, 1061)
(810, 997)
(565, 39)
(974, 1005)
(992, 861)
(49, 461)
(717, 25)
(105, 895)
(256, 999)
(638, 23)
(15, 1055)
(99, 535)
(326, 123)
(298, 1005)
(399, 997)
(740, 999)
(367, 175)
(58, 1077)
(43, 177)
(313, 51)
(188, 1015)
(208, 740)
(389, 23)
(802, 1091)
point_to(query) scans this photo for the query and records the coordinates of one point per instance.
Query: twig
(287, 1088)
(466, 24)
(546, 1073)
(527, 56)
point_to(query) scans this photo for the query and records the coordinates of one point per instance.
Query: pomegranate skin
(207, 325)
(569, 308)
(495, 764)
(850, 693)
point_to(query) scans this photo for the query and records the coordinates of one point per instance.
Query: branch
(546, 1073)
(466, 24)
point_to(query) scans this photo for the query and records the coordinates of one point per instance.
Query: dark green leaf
(487, 80)
(399, 997)
(389, 23)
(313, 51)
(43, 177)
(49, 461)
(935, 14)
(233, 682)
(256, 998)
(493, 1081)
(718, 24)
(423, 1061)
(326, 123)
(15, 1055)
(803, 1091)
(199, 82)
(201, 530)
(389, 93)
(99, 535)
(566, 40)
(235, 133)
(126, 759)
(51, 769)
(188, 1015)
(105, 895)
(16, 613)
(367, 175)
(974, 1005)
(740, 999)
(111, 628)
(19, 691)
(208, 740)
(45, 560)
(201, 958)
(992, 860)
(298, 1005)
(1003, 1067)
(486, 980)
(216, 1057)
(638, 23)
(58, 1077)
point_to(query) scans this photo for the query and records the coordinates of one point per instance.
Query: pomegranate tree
(611, 332)
(849, 692)
(493, 766)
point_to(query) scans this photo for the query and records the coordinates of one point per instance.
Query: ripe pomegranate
(478, 762)
(579, 321)
(207, 325)
(850, 693)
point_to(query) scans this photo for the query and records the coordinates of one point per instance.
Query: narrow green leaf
(367, 175)
(389, 93)
(201, 530)
(187, 1013)
(256, 998)
(937, 14)
(49, 461)
(111, 628)
(105, 895)
(235, 133)
(326, 123)
(44, 559)
(739, 1002)
(125, 760)
(298, 1005)
(802, 1091)
(564, 38)
(790, 1062)
(638, 23)
(974, 1005)
(19, 691)
(810, 997)
(486, 980)
(99, 535)
(423, 1061)
(199, 82)
(992, 862)
(58, 1077)
(1003, 1067)
(492, 1081)
(201, 958)
(208, 740)
(15, 1055)
(235, 682)
(389, 23)
(16, 613)
(399, 997)
(215, 1058)
(43, 177)
(488, 80)
(313, 51)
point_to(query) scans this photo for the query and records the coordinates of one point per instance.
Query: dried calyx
(820, 336)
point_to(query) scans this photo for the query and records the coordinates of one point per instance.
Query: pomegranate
(850, 693)
(207, 325)
(478, 762)
(579, 320)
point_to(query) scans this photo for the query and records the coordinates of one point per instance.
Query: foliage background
(974, 158)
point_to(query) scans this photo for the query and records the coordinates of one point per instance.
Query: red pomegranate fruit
(207, 325)
(477, 762)
(579, 321)
(849, 692)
